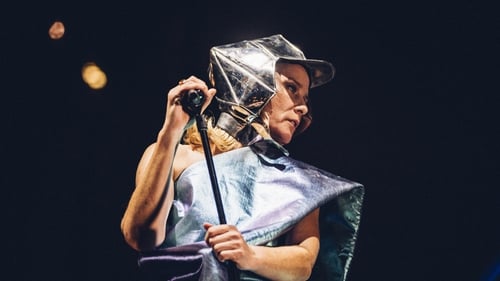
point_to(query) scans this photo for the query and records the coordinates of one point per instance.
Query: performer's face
(285, 110)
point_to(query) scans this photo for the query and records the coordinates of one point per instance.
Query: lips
(295, 123)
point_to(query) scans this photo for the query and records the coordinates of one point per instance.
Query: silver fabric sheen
(264, 193)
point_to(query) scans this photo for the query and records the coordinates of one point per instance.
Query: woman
(262, 109)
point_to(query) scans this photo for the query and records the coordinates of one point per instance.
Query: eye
(291, 88)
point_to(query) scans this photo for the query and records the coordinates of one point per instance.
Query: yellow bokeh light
(94, 76)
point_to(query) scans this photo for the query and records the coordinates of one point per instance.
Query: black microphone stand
(192, 102)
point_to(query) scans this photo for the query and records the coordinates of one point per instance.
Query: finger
(195, 82)
(207, 225)
(190, 79)
(226, 251)
(215, 230)
(177, 100)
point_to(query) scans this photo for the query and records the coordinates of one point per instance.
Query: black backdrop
(411, 114)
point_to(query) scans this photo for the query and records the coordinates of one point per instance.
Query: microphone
(192, 101)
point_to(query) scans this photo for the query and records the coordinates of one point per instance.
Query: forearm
(286, 262)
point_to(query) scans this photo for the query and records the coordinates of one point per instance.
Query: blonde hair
(220, 140)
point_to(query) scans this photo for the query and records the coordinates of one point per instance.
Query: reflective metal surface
(243, 74)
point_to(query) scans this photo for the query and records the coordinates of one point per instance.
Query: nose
(301, 109)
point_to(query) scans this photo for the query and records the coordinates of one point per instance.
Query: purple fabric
(175, 263)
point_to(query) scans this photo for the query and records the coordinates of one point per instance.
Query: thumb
(207, 225)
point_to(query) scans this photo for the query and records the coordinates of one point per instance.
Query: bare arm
(293, 262)
(144, 222)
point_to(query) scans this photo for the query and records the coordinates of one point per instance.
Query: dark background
(411, 114)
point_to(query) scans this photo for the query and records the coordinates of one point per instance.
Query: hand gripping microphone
(192, 101)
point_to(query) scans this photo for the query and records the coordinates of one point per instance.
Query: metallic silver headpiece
(243, 74)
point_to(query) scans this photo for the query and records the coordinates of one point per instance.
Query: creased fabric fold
(265, 193)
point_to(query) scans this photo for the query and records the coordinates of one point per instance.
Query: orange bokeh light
(56, 30)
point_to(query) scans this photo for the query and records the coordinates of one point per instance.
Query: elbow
(131, 235)
(306, 270)
(304, 273)
(139, 238)
(301, 273)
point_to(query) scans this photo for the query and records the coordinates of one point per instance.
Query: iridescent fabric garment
(264, 193)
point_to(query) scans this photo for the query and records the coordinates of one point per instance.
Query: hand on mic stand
(191, 102)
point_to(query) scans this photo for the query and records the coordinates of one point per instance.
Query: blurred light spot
(56, 31)
(94, 76)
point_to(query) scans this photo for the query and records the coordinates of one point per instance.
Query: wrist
(167, 137)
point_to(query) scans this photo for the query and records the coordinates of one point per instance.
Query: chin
(283, 139)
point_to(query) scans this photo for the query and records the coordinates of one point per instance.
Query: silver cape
(265, 193)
